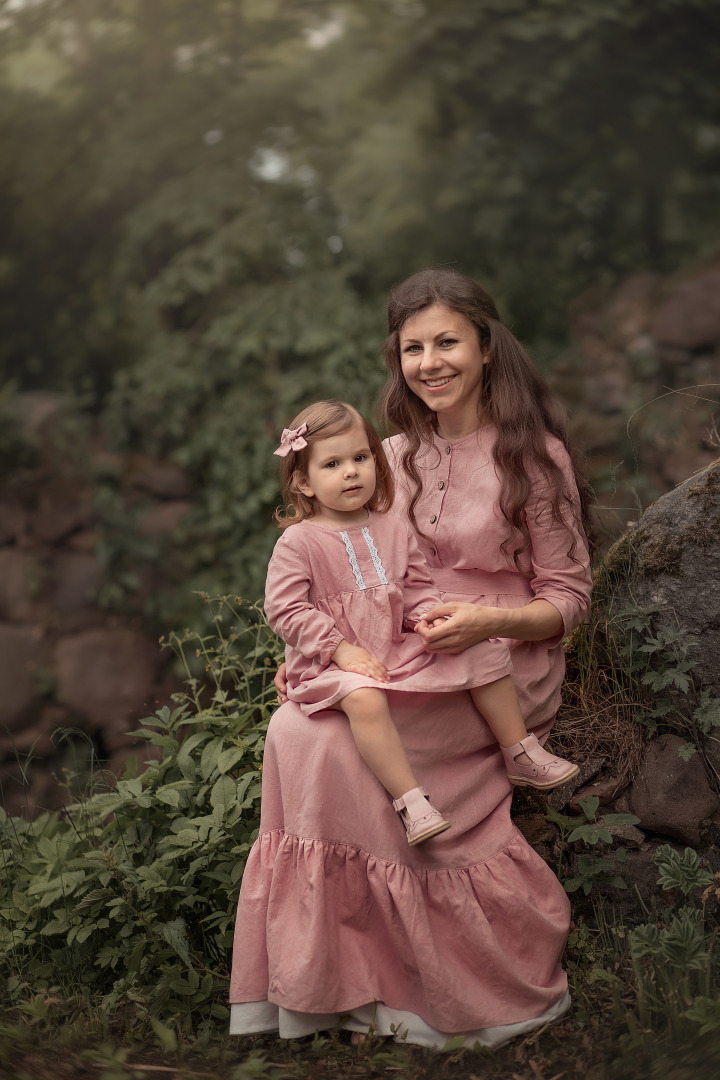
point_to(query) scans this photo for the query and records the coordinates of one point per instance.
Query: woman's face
(443, 364)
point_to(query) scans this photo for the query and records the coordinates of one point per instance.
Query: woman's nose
(431, 360)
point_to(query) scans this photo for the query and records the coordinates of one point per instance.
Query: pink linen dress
(364, 584)
(338, 916)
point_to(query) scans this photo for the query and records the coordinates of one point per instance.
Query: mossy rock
(671, 561)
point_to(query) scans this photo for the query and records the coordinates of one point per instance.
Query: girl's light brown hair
(324, 420)
(513, 397)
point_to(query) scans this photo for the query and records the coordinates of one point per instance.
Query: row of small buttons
(433, 519)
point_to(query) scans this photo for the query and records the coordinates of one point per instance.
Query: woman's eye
(449, 341)
(413, 348)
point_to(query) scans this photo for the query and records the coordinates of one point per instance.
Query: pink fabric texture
(366, 584)
(336, 910)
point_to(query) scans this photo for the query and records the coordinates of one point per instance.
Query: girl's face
(443, 364)
(340, 477)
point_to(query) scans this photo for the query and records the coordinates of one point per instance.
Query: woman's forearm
(537, 621)
(454, 626)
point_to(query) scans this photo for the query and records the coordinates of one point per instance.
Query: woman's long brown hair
(514, 398)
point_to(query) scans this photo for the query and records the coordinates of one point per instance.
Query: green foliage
(660, 659)
(681, 872)
(207, 200)
(591, 868)
(681, 944)
(131, 892)
(707, 715)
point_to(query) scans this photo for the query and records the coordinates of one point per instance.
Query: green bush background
(206, 201)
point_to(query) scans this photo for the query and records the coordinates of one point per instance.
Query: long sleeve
(559, 579)
(419, 590)
(287, 606)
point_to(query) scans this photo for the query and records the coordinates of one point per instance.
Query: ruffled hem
(262, 1017)
(324, 927)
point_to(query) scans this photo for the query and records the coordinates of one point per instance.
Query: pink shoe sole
(546, 785)
(545, 772)
(433, 831)
(422, 821)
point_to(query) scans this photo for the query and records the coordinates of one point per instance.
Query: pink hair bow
(292, 439)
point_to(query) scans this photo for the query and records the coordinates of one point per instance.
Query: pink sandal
(545, 772)
(420, 817)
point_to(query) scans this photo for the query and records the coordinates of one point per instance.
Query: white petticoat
(262, 1017)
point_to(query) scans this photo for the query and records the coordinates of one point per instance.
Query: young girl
(342, 586)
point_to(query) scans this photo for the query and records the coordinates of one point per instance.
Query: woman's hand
(353, 658)
(455, 626)
(280, 681)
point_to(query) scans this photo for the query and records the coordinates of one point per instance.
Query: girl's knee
(367, 697)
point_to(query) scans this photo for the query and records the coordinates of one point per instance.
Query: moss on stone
(704, 533)
(707, 490)
(661, 555)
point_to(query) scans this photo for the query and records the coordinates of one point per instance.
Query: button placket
(440, 486)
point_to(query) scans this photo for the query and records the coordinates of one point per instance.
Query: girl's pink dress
(338, 917)
(367, 584)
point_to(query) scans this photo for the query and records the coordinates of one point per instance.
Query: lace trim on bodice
(353, 560)
(374, 556)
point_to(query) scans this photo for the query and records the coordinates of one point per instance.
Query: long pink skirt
(339, 917)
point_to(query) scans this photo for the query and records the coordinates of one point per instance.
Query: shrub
(130, 893)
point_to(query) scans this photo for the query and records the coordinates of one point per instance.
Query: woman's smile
(438, 384)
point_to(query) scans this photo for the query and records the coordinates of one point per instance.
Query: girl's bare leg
(377, 739)
(498, 702)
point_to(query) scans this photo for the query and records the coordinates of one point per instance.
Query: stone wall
(72, 657)
(642, 379)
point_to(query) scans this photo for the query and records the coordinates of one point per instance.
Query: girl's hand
(280, 681)
(455, 626)
(353, 658)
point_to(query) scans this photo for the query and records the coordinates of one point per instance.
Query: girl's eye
(332, 464)
(361, 457)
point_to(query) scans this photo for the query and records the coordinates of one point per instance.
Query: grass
(624, 1025)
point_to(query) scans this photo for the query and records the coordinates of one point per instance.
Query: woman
(463, 934)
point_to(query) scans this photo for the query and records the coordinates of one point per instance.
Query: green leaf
(687, 750)
(589, 806)
(174, 934)
(224, 794)
(168, 795)
(185, 760)
(166, 1036)
(210, 757)
(230, 757)
(621, 819)
(129, 789)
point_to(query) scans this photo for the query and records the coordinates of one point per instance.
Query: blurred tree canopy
(204, 202)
